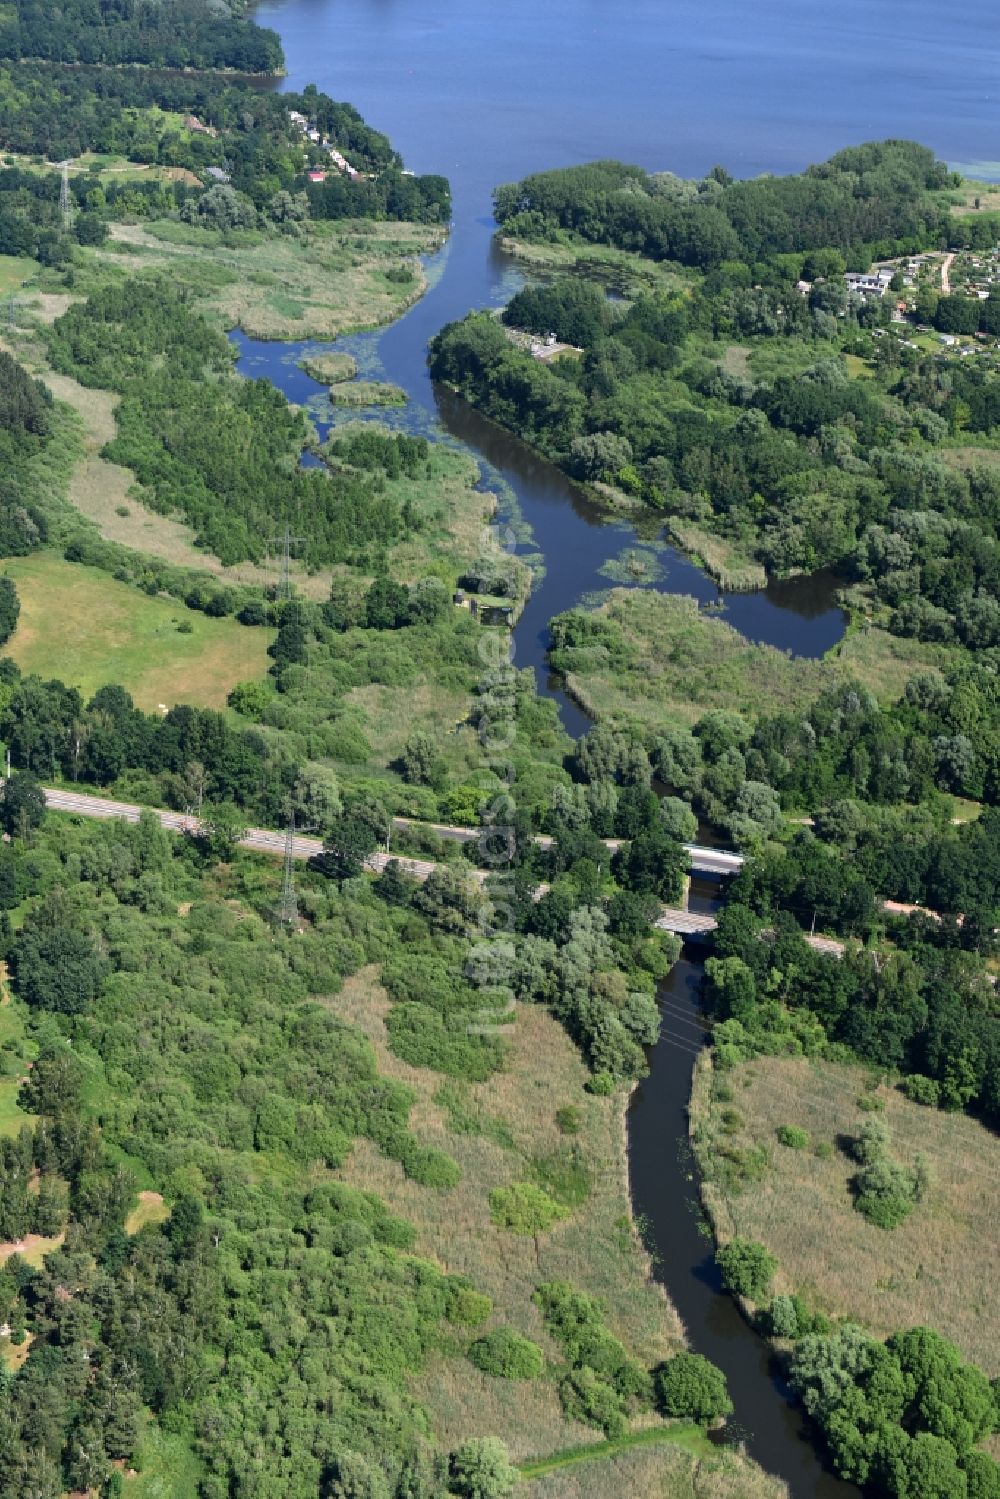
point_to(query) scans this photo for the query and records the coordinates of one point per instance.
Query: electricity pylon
(65, 202)
(286, 542)
(287, 913)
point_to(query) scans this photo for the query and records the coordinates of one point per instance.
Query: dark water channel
(488, 93)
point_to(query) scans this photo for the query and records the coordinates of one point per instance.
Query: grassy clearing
(884, 663)
(938, 1267)
(691, 1437)
(14, 271)
(33, 1248)
(330, 281)
(14, 1356)
(164, 1467)
(679, 662)
(664, 1470)
(594, 1247)
(150, 1209)
(81, 625)
(12, 1116)
(974, 194)
(620, 268)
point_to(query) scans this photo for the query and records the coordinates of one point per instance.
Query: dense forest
(883, 195)
(156, 33)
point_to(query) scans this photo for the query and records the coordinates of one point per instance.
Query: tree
(347, 844)
(23, 804)
(220, 830)
(506, 1355)
(10, 608)
(221, 207)
(481, 1469)
(420, 764)
(387, 605)
(56, 966)
(353, 1477)
(747, 1268)
(691, 1385)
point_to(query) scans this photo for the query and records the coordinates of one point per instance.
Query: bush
(467, 1306)
(783, 1318)
(690, 1385)
(588, 1398)
(481, 1469)
(506, 1355)
(429, 1167)
(747, 1268)
(919, 1089)
(524, 1208)
(568, 1119)
(792, 1136)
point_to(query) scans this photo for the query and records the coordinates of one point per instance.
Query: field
(330, 281)
(938, 1267)
(512, 1118)
(680, 662)
(81, 625)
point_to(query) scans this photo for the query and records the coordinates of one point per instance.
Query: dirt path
(946, 266)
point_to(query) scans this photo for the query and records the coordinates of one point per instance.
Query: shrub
(429, 1167)
(690, 1385)
(588, 1398)
(506, 1355)
(919, 1089)
(792, 1136)
(481, 1469)
(885, 1191)
(568, 1119)
(783, 1318)
(524, 1208)
(602, 1084)
(747, 1268)
(467, 1306)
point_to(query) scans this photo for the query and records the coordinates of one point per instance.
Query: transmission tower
(287, 913)
(65, 202)
(286, 542)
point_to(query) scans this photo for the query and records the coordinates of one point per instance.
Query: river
(487, 93)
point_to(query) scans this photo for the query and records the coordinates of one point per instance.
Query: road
(267, 841)
(946, 266)
(263, 840)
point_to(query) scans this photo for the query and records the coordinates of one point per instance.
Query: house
(316, 175)
(192, 122)
(217, 174)
(313, 135)
(870, 283)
